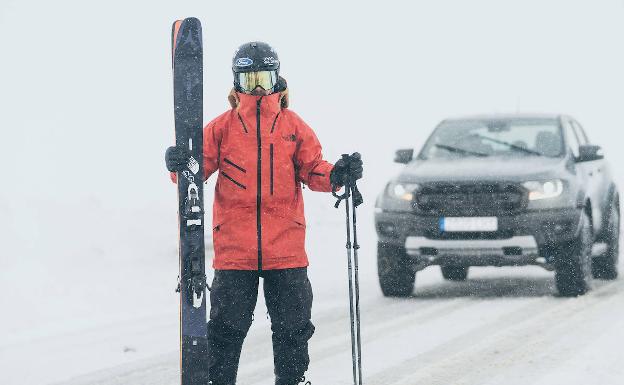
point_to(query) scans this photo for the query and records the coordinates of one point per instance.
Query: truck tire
(454, 273)
(606, 266)
(573, 273)
(396, 275)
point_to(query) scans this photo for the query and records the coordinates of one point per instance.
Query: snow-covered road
(473, 334)
(88, 253)
(503, 325)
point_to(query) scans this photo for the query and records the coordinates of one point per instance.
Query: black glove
(347, 170)
(176, 158)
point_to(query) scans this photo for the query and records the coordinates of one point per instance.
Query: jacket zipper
(271, 161)
(259, 185)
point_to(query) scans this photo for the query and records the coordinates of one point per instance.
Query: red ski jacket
(263, 152)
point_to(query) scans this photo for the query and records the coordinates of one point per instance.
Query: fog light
(387, 229)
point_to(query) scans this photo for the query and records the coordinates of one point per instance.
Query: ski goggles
(249, 81)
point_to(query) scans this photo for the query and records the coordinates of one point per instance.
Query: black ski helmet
(253, 57)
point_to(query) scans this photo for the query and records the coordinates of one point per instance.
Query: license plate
(450, 224)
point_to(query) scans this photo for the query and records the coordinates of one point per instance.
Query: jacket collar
(247, 104)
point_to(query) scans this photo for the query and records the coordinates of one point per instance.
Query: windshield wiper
(510, 145)
(459, 150)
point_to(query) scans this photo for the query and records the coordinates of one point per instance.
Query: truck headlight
(403, 191)
(544, 190)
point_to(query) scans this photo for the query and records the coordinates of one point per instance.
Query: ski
(187, 64)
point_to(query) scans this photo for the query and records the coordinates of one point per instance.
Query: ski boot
(291, 381)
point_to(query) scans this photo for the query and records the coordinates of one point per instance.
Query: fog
(87, 110)
(87, 95)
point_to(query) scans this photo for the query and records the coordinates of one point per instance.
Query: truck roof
(506, 116)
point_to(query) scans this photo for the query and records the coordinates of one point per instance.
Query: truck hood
(491, 168)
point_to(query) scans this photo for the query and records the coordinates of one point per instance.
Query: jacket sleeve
(311, 168)
(212, 142)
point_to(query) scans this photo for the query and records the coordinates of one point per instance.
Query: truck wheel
(606, 266)
(573, 262)
(454, 273)
(396, 276)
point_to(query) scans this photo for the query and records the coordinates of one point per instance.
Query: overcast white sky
(86, 94)
(87, 211)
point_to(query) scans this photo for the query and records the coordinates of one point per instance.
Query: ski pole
(345, 197)
(356, 200)
(352, 262)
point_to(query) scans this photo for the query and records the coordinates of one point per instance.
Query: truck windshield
(494, 137)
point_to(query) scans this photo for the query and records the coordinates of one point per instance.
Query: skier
(263, 152)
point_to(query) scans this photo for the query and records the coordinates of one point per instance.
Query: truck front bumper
(523, 238)
(517, 250)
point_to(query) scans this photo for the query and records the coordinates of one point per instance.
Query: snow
(88, 259)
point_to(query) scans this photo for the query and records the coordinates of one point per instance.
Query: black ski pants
(288, 296)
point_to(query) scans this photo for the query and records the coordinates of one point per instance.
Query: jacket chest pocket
(233, 171)
(237, 163)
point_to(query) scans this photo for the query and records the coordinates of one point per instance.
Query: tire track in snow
(389, 322)
(255, 344)
(334, 340)
(378, 330)
(566, 334)
(257, 363)
(474, 355)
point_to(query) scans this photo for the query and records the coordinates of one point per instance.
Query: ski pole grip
(345, 195)
(339, 197)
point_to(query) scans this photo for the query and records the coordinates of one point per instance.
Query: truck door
(585, 169)
(582, 168)
(598, 171)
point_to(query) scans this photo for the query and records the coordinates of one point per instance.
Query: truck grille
(470, 199)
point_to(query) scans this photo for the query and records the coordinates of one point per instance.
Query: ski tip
(189, 25)
(193, 24)
(194, 21)
(187, 33)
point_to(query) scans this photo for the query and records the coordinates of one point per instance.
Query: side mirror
(404, 156)
(589, 152)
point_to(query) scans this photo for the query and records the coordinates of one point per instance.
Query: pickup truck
(501, 190)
